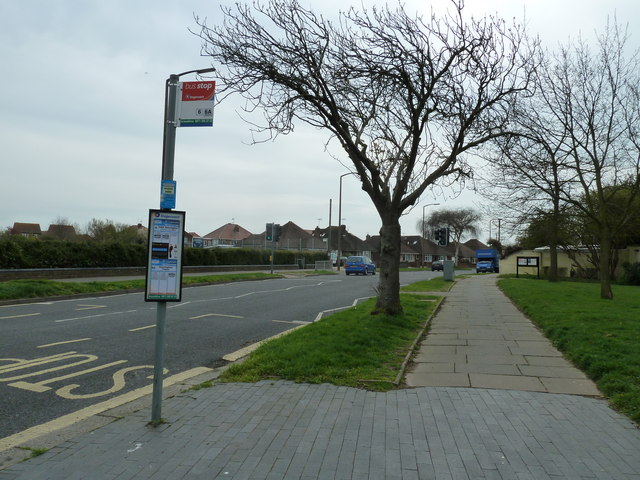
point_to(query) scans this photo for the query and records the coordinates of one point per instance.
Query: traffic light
(443, 236)
(277, 231)
(269, 232)
(436, 235)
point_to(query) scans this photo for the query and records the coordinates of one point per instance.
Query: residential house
(466, 254)
(61, 232)
(475, 244)
(292, 237)
(229, 235)
(30, 230)
(348, 244)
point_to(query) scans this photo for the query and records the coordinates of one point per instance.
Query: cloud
(82, 95)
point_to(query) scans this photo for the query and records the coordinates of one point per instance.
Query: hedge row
(19, 252)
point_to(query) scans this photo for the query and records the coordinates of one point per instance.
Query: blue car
(359, 265)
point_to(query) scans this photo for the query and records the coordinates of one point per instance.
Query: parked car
(359, 265)
(437, 265)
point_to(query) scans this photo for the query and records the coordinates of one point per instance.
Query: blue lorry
(487, 260)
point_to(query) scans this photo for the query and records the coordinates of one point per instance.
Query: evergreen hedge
(20, 252)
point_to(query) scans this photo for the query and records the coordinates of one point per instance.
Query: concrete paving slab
(571, 386)
(539, 351)
(503, 348)
(417, 379)
(547, 361)
(480, 349)
(487, 368)
(495, 359)
(552, 372)
(434, 367)
(507, 382)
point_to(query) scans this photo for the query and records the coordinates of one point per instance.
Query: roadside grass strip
(600, 337)
(22, 289)
(351, 348)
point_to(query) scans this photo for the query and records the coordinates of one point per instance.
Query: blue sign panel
(168, 195)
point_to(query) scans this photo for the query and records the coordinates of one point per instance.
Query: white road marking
(94, 316)
(20, 316)
(63, 343)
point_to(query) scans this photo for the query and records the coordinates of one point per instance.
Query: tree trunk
(605, 267)
(388, 301)
(553, 242)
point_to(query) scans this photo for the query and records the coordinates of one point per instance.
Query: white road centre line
(90, 307)
(214, 315)
(142, 328)
(93, 316)
(20, 316)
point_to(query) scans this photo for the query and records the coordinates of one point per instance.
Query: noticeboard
(522, 262)
(164, 258)
(195, 104)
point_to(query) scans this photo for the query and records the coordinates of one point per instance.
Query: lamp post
(424, 229)
(168, 154)
(499, 220)
(340, 221)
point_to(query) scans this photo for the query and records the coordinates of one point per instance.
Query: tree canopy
(405, 97)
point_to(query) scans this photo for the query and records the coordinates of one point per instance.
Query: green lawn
(601, 337)
(351, 347)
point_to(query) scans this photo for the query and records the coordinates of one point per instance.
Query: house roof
(61, 231)
(475, 244)
(348, 242)
(20, 228)
(230, 231)
(464, 251)
(292, 231)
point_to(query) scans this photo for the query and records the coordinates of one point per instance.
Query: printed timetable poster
(164, 262)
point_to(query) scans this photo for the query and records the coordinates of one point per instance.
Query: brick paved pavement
(282, 430)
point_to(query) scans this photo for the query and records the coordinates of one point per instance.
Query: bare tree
(526, 172)
(405, 97)
(594, 100)
(459, 221)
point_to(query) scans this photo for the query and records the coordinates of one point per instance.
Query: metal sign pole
(273, 245)
(168, 154)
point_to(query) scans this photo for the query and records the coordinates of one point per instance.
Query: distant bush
(631, 273)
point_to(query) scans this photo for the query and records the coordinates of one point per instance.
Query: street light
(340, 221)
(499, 220)
(424, 230)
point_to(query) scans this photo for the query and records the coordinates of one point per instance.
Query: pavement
(486, 397)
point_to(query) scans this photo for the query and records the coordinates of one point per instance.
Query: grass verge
(351, 348)
(19, 289)
(601, 337)
(437, 284)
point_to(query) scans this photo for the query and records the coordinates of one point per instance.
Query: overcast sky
(81, 97)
